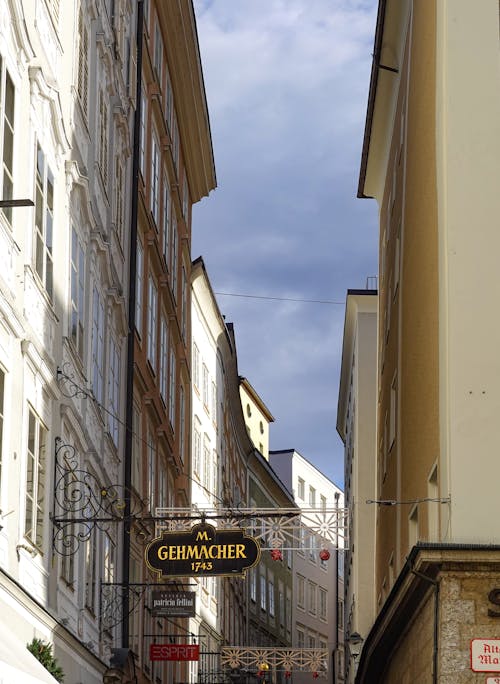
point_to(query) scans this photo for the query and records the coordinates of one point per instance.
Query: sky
(287, 86)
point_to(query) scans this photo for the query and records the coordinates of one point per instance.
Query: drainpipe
(127, 459)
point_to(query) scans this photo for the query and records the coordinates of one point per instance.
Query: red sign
(174, 652)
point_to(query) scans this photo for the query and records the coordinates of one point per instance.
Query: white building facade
(316, 589)
(66, 107)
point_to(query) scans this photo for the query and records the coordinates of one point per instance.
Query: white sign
(485, 656)
(492, 680)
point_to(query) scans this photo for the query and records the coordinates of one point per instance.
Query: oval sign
(203, 550)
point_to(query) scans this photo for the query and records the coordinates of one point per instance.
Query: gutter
(127, 457)
(372, 93)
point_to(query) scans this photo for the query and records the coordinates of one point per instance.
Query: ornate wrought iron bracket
(82, 503)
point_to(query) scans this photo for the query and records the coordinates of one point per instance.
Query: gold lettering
(213, 551)
(240, 551)
(202, 535)
(163, 553)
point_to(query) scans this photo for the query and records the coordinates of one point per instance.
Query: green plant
(43, 653)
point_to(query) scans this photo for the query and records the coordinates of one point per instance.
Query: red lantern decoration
(288, 674)
(324, 554)
(276, 555)
(315, 674)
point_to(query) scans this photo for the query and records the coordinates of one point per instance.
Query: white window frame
(151, 333)
(77, 293)
(43, 258)
(97, 345)
(114, 382)
(155, 179)
(7, 116)
(36, 457)
(139, 277)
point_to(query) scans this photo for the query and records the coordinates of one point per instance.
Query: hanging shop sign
(203, 550)
(178, 652)
(173, 603)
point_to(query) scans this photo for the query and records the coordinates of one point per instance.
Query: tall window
(253, 585)
(196, 366)
(205, 387)
(185, 198)
(155, 179)
(301, 488)
(103, 136)
(109, 558)
(97, 345)
(312, 497)
(184, 304)
(171, 389)
(197, 446)
(113, 389)
(7, 100)
(166, 219)
(138, 287)
(323, 603)
(173, 262)
(119, 199)
(152, 318)
(136, 448)
(77, 292)
(44, 218)
(270, 593)
(311, 598)
(175, 141)
(151, 466)
(301, 591)
(142, 138)
(82, 85)
(206, 462)
(158, 55)
(163, 370)
(35, 480)
(263, 592)
(91, 571)
(182, 422)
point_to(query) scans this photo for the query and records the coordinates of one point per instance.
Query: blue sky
(287, 84)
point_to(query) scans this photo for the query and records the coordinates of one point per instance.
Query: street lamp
(355, 643)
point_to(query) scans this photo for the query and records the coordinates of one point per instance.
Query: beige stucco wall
(468, 173)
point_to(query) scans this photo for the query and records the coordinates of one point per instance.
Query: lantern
(288, 674)
(324, 554)
(315, 675)
(276, 555)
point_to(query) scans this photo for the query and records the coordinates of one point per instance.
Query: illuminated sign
(173, 603)
(174, 652)
(204, 550)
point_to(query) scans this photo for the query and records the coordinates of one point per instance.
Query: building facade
(317, 582)
(356, 425)
(431, 160)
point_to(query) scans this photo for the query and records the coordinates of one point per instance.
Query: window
(301, 591)
(323, 595)
(196, 366)
(7, 101)
(215, 474)
(311, 641)
(114, 390)
(206, 462)
(35, 480)
(82, 86)
(136, 448)
(214, 403)
(138, 287)
(205, 386)
(322, 500)
(340, 614)
(253, 585)
(171, 389)
(119, 199)
(77, 278)
(152, 319)
(175, 141)
(97, 346)
(197, 446)
(301, 489)
(155, 179)
(311, 598)
(182, 422)
(166, 219)
(90, 571)
(102, 157)
(158, 55)
(185, 198)
(270, 593)
(163, 358)
(300, 638)
(184, 304)
(142, 136)
(312, 497)
(169, 103)
(109, 559)
(173, 263)
(44, 218)
(263, 588)
(151, 465)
